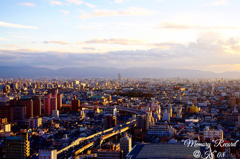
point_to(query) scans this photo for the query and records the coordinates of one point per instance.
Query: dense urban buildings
(117, 118)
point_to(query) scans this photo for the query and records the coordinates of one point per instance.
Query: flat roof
(162, 150)
(13, 138)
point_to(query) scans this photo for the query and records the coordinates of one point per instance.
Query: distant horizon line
(124, 68)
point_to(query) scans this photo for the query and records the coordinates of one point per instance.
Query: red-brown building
(75, 104)
(19, 112)
(52, 101)
(6, 112)
(36, 106)
(28, 102)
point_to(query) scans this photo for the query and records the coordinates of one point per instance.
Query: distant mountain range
(141, 72)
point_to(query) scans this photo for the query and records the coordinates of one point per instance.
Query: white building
(119, 77)
(55, 113)
(34, 122)
(126, 144)
(5, 127)
(48, 154)
(212, 134)
(160, 130)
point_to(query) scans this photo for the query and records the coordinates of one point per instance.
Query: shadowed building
(75, 104)
(17, 147)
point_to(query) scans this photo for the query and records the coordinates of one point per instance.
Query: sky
(172, 34)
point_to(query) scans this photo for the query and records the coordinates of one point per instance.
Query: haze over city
(171, 34)
(119, 79)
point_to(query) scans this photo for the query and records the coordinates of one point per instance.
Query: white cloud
(137, 11)
(113, 41)
(19, 36)
(90, 5)
(3, 38)
(172, 25)
(56, 42)
(77, 2)
(65, 12)
(27, 4)
(217, 3)
(89, 48)
(10, 25)
(210, 51)
(53, 3)
(11, 45)
(118, 1)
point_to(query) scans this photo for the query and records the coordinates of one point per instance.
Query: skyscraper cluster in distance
(120, 118)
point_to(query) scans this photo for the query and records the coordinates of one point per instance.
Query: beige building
(34, 122)
(212, 134)
(126, 144)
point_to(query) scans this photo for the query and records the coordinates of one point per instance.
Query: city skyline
(198, 35)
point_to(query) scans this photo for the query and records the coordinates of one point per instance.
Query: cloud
(3, 38)
(118, 1)
(169, 25)
(89, 48)
(105, 12)
(11, 45)
(217, 3)
(112, 41)
(56, 42)
(53, 3)
(10, 25)
(90, 5)
(116, 26)
(66, 13)
(20, 36)
(210, 51)
(27, 4)
(77, 2)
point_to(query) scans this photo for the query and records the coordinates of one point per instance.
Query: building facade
(17, 147)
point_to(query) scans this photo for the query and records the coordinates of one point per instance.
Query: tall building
(6, 112)
(17, 147)
(33, 105)
(59, 101)
(34, 122)
(232, 101)
(126, 144)
(119, 77)
(14, 86)
(29, 106)
(110, 111)
(143, 121)
(36, 106)
(55, 113)
(52, 101)
(18, 113)
(4, 125)
(75, 104)
(110, 121)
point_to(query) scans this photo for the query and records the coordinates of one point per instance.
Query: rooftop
(162, 150)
